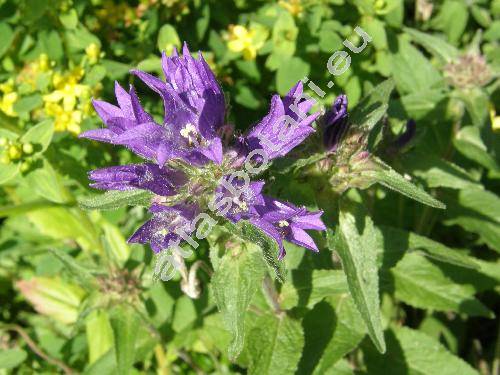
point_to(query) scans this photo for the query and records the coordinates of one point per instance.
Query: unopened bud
(27, 148)
(469, 70)
(14, 152)
(25, 166)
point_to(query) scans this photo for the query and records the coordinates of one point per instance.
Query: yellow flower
(43, 63)
(294, 7)
(68, 89)
(7, 87)
(31, 71)
(246, 41)
(93, 52)
(64, 120)
(495, 120)
(7, 103)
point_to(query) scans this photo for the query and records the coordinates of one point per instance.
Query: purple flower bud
(335, 124)
(407, 135)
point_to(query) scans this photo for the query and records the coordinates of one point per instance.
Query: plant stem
(271, 295)
(36, 349)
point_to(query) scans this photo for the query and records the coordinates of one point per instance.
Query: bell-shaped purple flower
(236, 201)
(284, 221)
(161, 181)
(335, 124)
(285, 126)
(169, 223)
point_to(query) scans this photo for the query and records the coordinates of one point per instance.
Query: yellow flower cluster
(65, 98)
(495, 120)
(69, 101)
(294, 7)
(9, 98)
(93, 53)
(112, 14)
(33, 70)
(246, 40)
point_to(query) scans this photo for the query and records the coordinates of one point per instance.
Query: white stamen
(283, 223)
(187, 131)
(241, 204)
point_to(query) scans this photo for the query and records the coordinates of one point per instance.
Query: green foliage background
(397, 288)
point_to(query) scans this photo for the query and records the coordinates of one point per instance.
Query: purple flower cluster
(190, 165)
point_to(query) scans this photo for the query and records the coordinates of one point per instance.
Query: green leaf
(40, 134)
(373, 106)
(95, 75)
(48, 184)
(332, 329)
(10, 358)
(329, 40)
(6, 36)
(477, 211)
(435, 45)
(289, 73)
(476, 102)
(115, 69)
(125, 323)
(234, 283)
(168, 39)
(356, 244)
(105, 365)
(99, 334)
(51, 44)
(284, 166)
(413, 352)
(469, 143)
(452, 19)
(376, 29)
(85, 278)
(80, 38)
(437, 172)
(70, 19)
(184, 315)
(422, 284)
(28, 103)
(66, 224)
(23, 208)
(412, 71)
(389, 178)
(202, 21)
(116, 244)
(270, 250)
(275, 345)
(151, 65)
(283, 40)
(112, 200)
(418, 104)
(306, 288)
(8, 172)
(397, 241)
